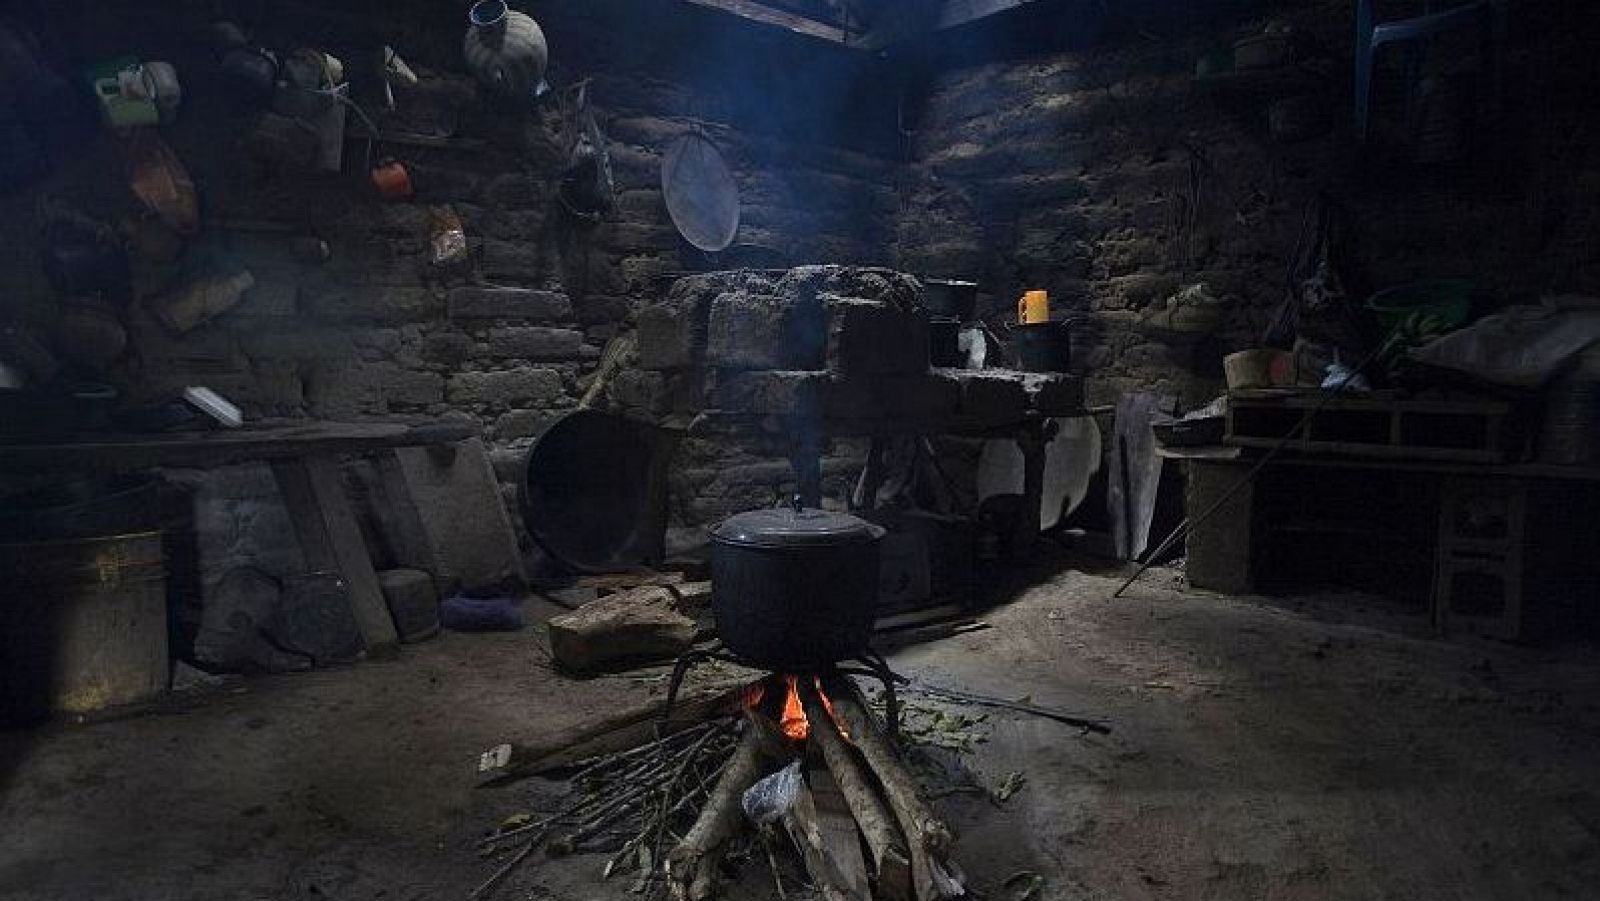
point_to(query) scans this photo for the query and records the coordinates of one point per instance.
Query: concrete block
(524, 386)
(672, 336)
(871, 337)
(991, 395)
(508, 303)
(767, 392)
(536, 343)
(756, 331)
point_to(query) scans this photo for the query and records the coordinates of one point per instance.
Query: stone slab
(456, 492)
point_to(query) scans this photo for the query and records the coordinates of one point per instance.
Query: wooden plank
(766, 15)
(619, 730)
(1031, 442)
(402, 522)
(1385, 451)
(330, 540)
(265, 440)
(1270, 398)
(1202, 452)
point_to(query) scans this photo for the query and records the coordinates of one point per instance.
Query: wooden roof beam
(767, 15)
(959, 12)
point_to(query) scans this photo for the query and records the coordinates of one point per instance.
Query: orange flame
(828, 706)
(792, 722)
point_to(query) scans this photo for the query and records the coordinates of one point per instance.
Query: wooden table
(305, 461)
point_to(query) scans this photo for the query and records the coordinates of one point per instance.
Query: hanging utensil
(700, 192)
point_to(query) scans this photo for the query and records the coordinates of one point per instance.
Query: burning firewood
(692, 866)
(929, 838)
(891, 866)
(863, 829)
(820, 824)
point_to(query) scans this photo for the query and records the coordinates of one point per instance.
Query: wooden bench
(305, 462)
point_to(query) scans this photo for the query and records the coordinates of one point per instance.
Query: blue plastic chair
(1490, 15)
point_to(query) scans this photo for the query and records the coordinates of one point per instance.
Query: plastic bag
(447, 240)
(769, 799)
(1522, 346)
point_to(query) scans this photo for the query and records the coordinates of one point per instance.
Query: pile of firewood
(677, 810)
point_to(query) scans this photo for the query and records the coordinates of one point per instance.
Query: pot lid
(701, 195)
(795, 526)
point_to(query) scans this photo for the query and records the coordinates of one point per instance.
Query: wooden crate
(1374, 425)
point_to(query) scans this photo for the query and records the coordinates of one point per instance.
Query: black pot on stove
(795, 589)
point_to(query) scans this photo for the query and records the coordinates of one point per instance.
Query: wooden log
(620, 731)
(692, 866)
(928, 837)
(627, 627)
(891, 864)
(828, 842)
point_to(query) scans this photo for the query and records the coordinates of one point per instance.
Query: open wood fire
(855, 796)
(792, 761)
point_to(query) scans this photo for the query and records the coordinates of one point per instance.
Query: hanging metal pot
(795, 589)
(1042, 346)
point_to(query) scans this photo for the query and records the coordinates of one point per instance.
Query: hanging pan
(700, 193)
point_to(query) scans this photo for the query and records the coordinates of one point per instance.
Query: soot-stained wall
(1111, 175)
(512, 339)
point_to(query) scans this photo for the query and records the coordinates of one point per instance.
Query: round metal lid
(701, 195)
(795, 527)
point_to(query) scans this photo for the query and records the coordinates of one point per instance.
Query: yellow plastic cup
(1034, 307)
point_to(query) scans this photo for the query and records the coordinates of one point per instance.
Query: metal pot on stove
(794, 588)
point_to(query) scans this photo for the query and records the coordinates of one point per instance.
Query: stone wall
(1112, 176)
(512, 338)
(1107, 174)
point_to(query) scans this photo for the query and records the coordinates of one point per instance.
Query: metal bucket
(83, 625)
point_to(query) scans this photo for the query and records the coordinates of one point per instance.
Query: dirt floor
(1260, 751)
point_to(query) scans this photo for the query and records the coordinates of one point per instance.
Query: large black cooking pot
(795, 589)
